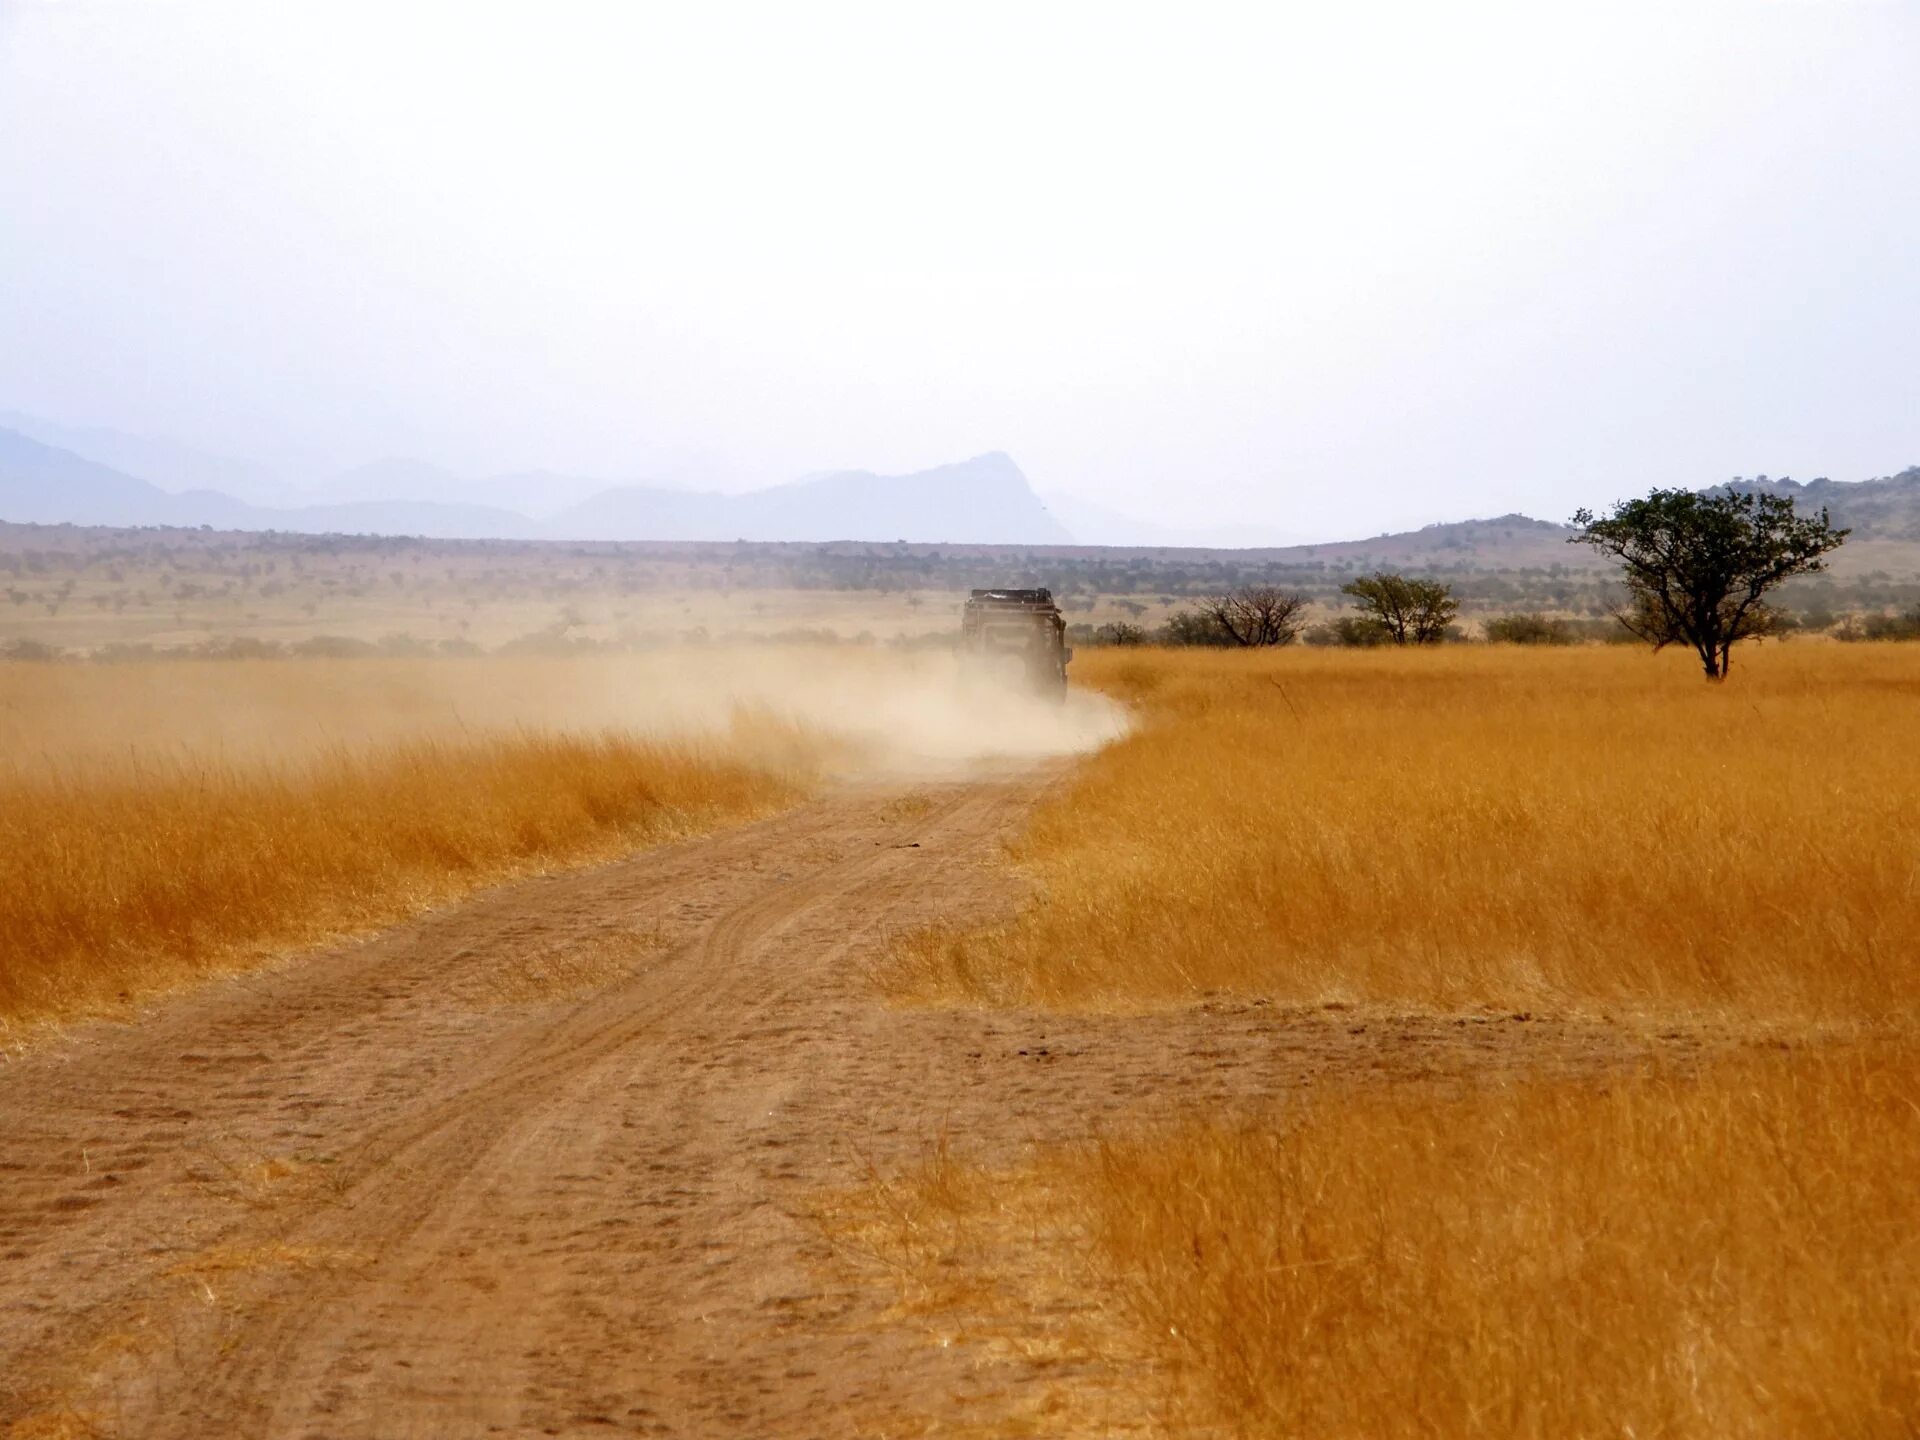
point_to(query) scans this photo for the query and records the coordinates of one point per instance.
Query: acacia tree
(1698, 566)
(1410, 612)
(1257, 615)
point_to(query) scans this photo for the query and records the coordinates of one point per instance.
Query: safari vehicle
(1017, 634)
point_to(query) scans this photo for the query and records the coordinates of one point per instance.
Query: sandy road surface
(539, 1164)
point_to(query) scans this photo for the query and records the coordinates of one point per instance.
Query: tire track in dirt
(360, 1196)
(512, 1134)
(407, 1195)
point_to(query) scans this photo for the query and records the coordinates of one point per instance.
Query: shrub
(1193, 627)
(1904, 626)
(239, 647)
(332, 647)
(125, 653)
(1530, 629)
(1352, 631)
(34, 650)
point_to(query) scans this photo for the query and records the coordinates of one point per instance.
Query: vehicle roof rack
(1013, 597)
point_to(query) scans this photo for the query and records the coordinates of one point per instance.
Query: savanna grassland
(1480, 1040)
(1719, 1243)
(1479, 826)
(130, 868)
(165, 820)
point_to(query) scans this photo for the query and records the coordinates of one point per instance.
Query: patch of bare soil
(545, 1163)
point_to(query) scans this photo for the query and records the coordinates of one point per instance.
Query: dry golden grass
(1589, 828)
(1728, 1253)
(1731, 1254)
(162, 820)
(117, 879)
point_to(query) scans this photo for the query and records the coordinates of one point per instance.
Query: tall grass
(120, 878)
(158, 820)
(1587, 828)
(1731, 1254)
(1728, 1256)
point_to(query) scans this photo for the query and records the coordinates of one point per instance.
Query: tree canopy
(1409, 612)
(1698, 566)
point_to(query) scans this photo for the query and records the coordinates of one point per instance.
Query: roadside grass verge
(119, 879)
(1594, 829)
(1725, 1254)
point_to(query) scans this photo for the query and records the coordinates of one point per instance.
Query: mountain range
(982, 500)
(547, 504)
(106, 477)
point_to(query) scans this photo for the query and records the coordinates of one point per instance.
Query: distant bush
(925, 640)
(1349, 631)
(1529, 629)
(1117, 633)
(554, 640)
(1904, 626)
(1192, 627)
(36, 651)
(332, 647)
(804, 635)
(238, 647)
(1607, 631)
(122, 653)
(405, 647)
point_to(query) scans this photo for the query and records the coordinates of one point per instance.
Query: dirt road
(540, 1164)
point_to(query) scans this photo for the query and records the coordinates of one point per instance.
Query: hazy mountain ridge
(46, 485)
(985, 500)
(1884, 508)
(166, 464)
(982, 500)
(535, 495)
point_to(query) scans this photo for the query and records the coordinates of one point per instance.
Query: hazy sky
(1332, 267)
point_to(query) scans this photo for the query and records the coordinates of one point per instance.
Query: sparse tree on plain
(1410, 612)
(1256, 615)
(1698, 567)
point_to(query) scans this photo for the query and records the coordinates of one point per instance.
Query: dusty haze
(872, 713)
